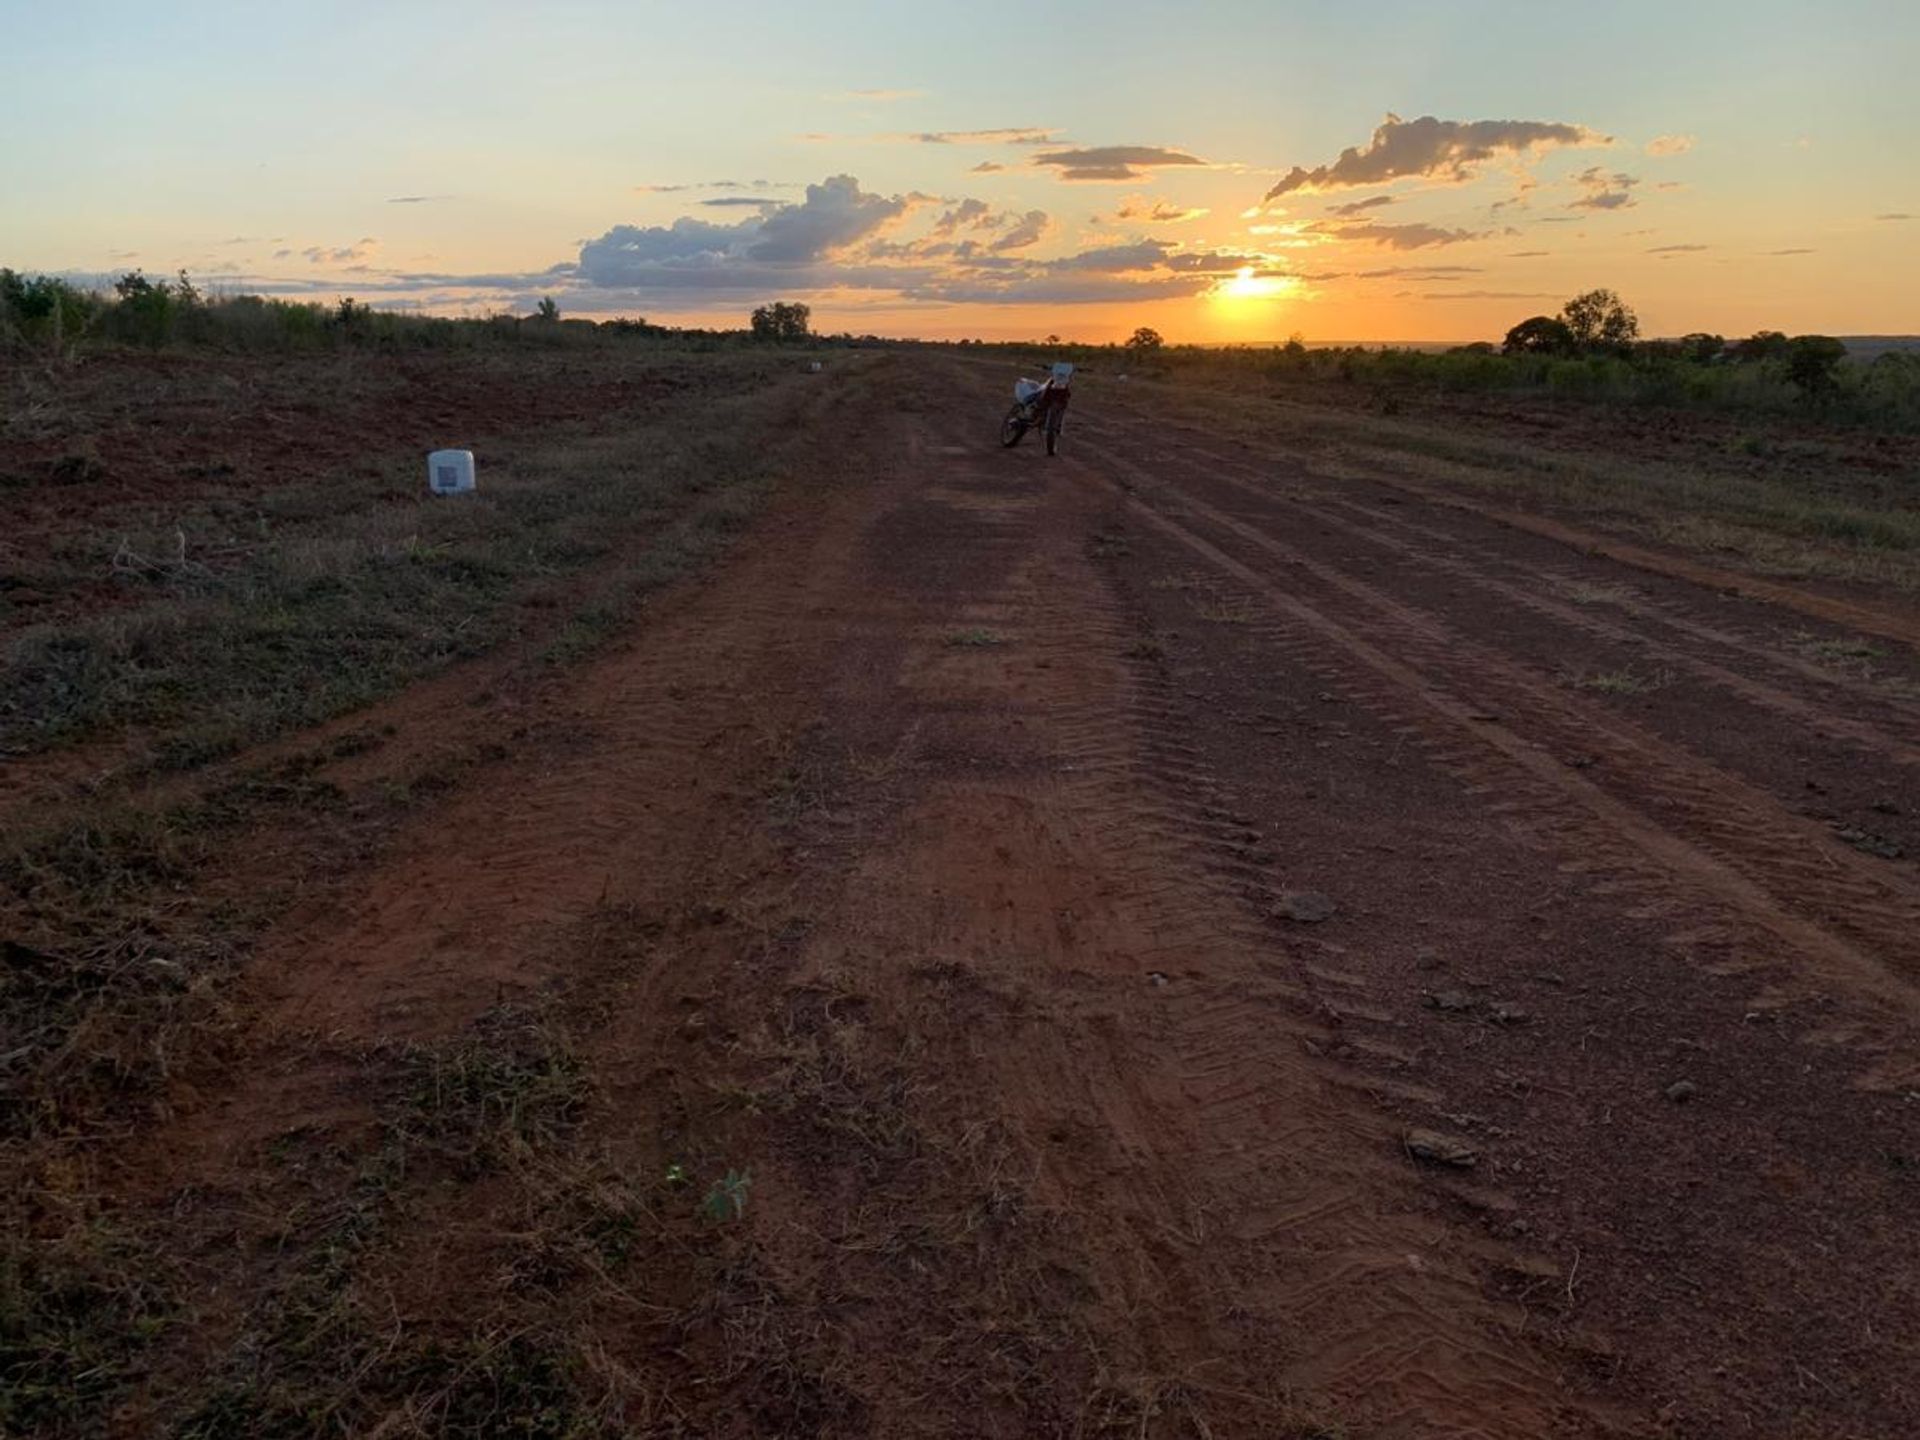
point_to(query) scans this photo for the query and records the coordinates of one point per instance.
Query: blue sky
(266, 148)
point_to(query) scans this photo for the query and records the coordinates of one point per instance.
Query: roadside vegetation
(236, 621)
(53, 319)
(1591, 351)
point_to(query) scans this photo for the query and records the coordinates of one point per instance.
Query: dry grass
(1796, 508)
(335, 592)
(1583, 593)
(975, 639)
(1218, 609)
(1624, 682)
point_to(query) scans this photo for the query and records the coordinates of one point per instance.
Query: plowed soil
(1166, 943)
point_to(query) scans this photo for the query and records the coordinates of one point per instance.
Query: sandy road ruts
(1586, 718)
(1238, 1183)
(1665, 813)
(1478, 565)
(1867, 618)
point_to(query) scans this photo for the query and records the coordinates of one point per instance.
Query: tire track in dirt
(1747, 858)
(1439, 551)
(1860, 616)
(1183, 1032)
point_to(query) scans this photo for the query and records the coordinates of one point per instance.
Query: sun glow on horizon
(1247, 283)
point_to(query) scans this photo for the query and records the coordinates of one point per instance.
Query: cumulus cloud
(1428, 148)
(1604, 190)
(835, 215)
(837, 238)
(1113, 162)
(1662, 145)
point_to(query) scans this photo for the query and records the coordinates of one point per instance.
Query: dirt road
(1164, 942)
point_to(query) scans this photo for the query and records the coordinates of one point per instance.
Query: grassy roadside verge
(116, 952)
(315, 598)
(1787, 511)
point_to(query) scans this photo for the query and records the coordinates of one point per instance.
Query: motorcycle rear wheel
(1013, 427)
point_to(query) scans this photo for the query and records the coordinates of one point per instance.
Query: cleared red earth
(1160, 941)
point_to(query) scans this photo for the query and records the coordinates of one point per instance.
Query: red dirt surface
(971, 818)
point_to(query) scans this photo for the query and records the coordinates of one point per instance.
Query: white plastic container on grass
(450, 472)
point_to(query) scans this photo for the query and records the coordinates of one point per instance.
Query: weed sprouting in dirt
(726, 1198)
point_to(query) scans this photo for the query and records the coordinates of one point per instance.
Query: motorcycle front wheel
(1013, 427)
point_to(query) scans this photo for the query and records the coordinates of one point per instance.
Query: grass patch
(974, 640)
(1625, 682)
(1795, 508)
(80, 1309)
(116, 972)
(1222, 610)
(337, 1348)
(247, 622)
(1582, 593)
(491, 1098)
(1847, 653)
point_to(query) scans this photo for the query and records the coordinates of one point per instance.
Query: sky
(1224, 172)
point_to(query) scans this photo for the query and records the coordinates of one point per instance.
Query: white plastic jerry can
(450, 472)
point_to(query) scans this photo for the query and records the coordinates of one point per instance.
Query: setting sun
(1247, 284)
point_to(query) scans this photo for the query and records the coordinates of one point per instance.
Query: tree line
(1600, 323)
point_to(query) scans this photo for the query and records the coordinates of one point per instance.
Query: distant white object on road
(450, 472)
(813, 367)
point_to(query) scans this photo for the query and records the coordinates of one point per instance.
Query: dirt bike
(1031, 408)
